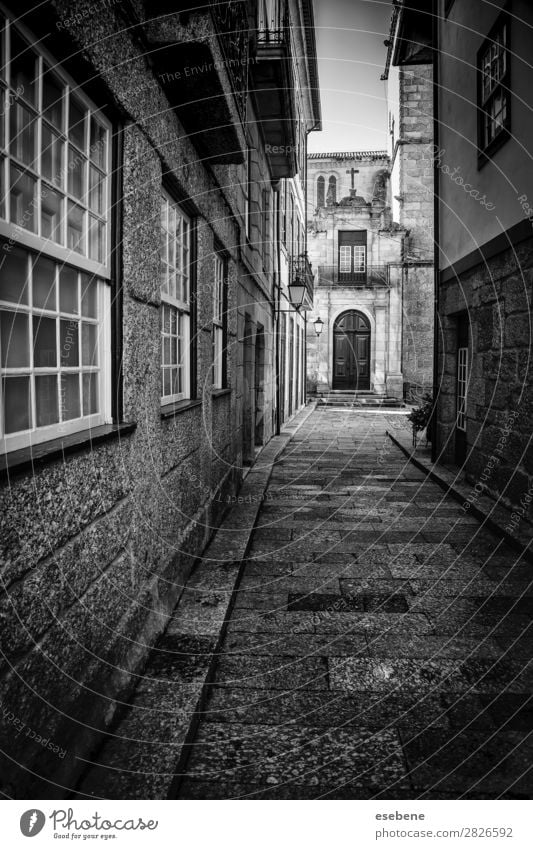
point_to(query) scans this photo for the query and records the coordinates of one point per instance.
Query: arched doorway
(351, 351)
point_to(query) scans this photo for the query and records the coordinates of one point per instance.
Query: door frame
(334, 315)
(365, 315)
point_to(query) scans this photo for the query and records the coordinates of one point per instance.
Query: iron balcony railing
(302, 272)
(374, 275)
(272, 22)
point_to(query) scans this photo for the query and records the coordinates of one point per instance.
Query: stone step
(359, 400)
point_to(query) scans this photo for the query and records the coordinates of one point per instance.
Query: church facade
(370, 240)
(357, 251)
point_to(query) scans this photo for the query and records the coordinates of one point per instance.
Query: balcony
(200, 55)
(301, 273)
(272, 84)
(373, 277)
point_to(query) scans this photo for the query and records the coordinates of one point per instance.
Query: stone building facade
(485, 193)
(356, 250)
(146, 263)
(371, 241)
(409, 89)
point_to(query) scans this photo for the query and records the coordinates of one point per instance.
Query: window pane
(23, 134)
(17, 413)
(14, 275)
(68, 290)
(51, 215)
(14, 332)
(22, 197)
(52, 157)
(89, 345)
(96, 239)
(23, 66)
(88, 296)
(176, 387)
(96, 191)
(53, 100)
(46, 400)
(44, 342)
(44, 288)
(166, 382)
(76, 173)
(98, 143)
(76, 123)
(68, 343)
(90, 394)
(75, 228)
(70, 396)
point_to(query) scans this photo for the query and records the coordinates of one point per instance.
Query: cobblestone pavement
(380, 641)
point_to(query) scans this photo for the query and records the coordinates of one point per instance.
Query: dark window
(352, 255)
(320, 191)
(494, 102)
(332, 191)
(448, 6)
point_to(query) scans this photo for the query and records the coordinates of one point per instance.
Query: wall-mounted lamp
(296, 293)
(319, 326)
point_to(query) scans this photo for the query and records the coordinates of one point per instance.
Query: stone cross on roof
(353, 172)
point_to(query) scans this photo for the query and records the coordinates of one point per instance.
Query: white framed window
(359, 258)
(175, 301)
(345, 259)
(54, 249)
(54, 158)
(352, 259)
(462, 387)
(219, 323)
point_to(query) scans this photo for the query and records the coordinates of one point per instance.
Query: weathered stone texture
(500, 399)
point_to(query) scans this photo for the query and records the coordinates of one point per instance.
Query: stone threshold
(492, 514)
(144, 755)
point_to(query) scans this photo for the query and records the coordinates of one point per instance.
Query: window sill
(35, 456)
(219, 393)
(168, 411)
(485, 154)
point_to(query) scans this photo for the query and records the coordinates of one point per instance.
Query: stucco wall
(508, 175)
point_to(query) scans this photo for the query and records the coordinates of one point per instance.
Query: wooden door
(351, 352)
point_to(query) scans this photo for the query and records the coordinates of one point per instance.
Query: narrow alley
(378, 646)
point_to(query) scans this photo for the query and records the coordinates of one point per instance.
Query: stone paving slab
(374, 642)
(301, 756)
(304, 644)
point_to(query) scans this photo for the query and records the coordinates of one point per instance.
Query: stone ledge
(34, 457)
(491, 513)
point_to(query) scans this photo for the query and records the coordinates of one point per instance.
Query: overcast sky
(351, 59)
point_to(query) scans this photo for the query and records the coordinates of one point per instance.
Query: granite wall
(496, 299)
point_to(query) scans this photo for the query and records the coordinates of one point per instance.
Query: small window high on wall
(320, 191)
(332, 191)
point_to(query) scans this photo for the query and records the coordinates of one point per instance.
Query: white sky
(351, 59)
